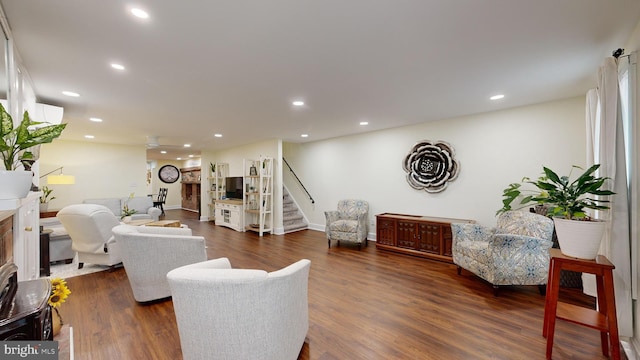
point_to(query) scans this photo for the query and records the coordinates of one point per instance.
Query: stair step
(292, 228)
(294, 216)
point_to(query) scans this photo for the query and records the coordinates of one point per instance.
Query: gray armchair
(348, 223)
(224, 313)
(150, 252)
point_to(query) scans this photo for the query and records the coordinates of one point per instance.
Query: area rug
(66, 271)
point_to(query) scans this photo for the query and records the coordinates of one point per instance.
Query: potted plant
(15, 143)
(45, 198)
(566, 201)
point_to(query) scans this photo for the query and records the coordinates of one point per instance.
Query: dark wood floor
(366, 304)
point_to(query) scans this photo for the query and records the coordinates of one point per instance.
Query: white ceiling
(196, 68)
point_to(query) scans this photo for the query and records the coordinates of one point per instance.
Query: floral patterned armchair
(348, 223)
(515, 252)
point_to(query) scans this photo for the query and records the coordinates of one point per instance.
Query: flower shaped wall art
(431, 166)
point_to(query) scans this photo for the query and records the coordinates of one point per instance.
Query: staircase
(292, 219)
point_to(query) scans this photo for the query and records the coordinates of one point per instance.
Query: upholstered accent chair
(224, 313)
(89, 227)
(348, 223)
(515, 252)
(150, 252)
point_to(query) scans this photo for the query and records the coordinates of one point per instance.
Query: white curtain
(606, 146)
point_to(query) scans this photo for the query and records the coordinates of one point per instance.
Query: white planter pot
(15, 184)
(44, 207)
(579, 239)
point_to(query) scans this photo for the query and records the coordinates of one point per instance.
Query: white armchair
(150, 252)
(89, 227)
(232, 314)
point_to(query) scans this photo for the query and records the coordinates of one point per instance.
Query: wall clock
(169, 174)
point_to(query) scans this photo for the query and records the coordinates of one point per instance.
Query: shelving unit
(258, 195)
(217, 187)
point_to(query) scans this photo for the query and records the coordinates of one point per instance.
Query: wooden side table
(45, 266)
(603, 319)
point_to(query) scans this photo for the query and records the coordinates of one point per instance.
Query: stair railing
(299, 181)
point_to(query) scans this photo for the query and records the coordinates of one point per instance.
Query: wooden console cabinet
(424, 236)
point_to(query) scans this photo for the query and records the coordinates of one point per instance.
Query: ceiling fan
(153, 142)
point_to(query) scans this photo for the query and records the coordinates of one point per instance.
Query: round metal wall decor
(430, 166)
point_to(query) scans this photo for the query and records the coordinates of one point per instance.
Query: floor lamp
(60, 179)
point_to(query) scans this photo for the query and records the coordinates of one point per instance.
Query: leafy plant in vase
(15, 145)
(45, 198)
(125, 214)
(566, 201)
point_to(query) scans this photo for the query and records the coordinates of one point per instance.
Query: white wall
(494, 149)
(174, 191)
(100, 170)
(235, 158)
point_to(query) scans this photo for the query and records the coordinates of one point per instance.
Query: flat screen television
(234, 187)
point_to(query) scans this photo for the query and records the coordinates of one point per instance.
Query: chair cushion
(344, 225)
(477, 250)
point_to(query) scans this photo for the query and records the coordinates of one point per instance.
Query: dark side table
(45, 267)
(604, 319)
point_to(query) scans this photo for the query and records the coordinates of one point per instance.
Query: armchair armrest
(154, 212)
(220, 263)
(331, 216)
(471, 232)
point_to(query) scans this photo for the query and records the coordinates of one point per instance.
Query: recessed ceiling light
(139, 13)
(364, 123)
(298, 103)
(163, 152)
(178, 158)
(304, 135)
(187, 145)
(89, 137)
(117, 66)
(497, 97)
(95, 119)
(217, 135)
(70, 93)
(190, 155)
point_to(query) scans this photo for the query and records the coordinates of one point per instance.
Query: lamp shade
(61, 179)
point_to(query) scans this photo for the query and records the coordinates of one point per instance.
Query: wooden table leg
(610, 306)
(547, 298)
(552, 304)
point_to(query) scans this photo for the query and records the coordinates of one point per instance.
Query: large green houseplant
(566, 201)
(15, 145)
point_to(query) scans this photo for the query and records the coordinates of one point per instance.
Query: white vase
(44, 207)
(579, 239)
(15, 184)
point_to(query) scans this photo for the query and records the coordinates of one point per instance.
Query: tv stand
(230, 213)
